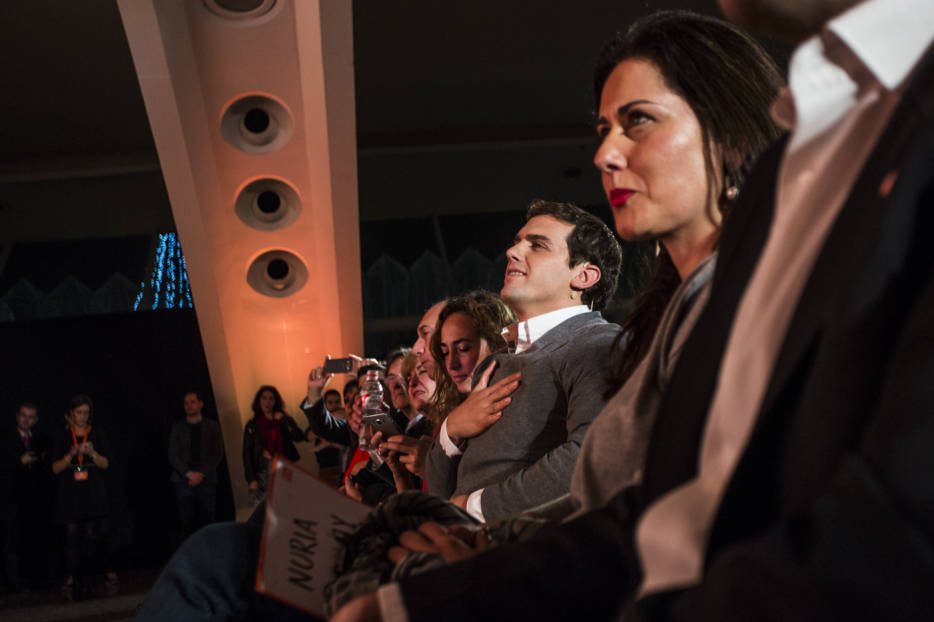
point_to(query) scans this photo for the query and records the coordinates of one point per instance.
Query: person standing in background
(23, 482)
(82, 501)
(195, 451)
(268, 433)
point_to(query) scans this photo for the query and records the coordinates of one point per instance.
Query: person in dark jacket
(195, 450)
(23, 487)
(268, 433)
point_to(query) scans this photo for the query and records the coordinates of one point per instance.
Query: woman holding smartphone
(81, 504)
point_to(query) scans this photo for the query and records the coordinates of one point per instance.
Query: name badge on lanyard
(81, 475)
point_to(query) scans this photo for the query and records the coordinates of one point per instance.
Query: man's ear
(587, 276)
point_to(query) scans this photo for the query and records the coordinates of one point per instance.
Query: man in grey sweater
(496, 455)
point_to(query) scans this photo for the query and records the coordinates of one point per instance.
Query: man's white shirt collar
(867, 29)
(852, 51)
(528, 331)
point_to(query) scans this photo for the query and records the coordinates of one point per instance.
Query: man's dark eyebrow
(536, 237)
(622, 110)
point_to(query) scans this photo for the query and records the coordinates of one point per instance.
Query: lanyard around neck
(83, 441)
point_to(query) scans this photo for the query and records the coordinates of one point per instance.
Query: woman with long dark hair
(683, 111)
(727, 82)
(268, 433)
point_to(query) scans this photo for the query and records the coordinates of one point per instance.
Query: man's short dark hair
(590, 241)
(29, 406)
(194, 392)
(330, 391)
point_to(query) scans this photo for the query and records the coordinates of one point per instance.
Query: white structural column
(252, 111)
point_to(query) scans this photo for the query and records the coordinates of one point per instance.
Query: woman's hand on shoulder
(483, 407)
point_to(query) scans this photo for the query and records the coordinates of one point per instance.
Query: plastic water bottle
(372, 394)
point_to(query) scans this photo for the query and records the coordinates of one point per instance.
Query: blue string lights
(168, 286)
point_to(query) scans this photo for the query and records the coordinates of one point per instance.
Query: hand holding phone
(338, 366)
(382, 422)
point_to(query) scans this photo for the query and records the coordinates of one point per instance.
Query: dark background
(135, 367)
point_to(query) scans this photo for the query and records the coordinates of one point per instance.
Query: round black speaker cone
(256, 120)
(268, 201)
(277, 269)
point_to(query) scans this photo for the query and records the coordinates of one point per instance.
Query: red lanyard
(83, 441)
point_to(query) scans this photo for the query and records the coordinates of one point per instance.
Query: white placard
(304, 518)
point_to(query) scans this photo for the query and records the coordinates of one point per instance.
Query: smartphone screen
(338, 366)
(382, 423)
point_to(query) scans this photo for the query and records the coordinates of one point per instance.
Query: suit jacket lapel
(672, 453)
(853, 239)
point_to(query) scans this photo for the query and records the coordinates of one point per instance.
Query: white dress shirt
(524, 334)
(844, 84)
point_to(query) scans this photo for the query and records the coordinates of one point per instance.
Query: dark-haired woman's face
(651, 158)
(462, 348)
(80, 415)
(267, 401)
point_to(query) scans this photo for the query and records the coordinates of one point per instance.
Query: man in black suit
(789, 471)
(23, 489)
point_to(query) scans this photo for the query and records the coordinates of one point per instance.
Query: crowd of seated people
(753, 442)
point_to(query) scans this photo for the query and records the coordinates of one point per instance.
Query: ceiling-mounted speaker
(239, 9)
(256, 124)
(277, 273)
(268, 204)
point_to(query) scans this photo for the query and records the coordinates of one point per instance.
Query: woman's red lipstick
(619, 196)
